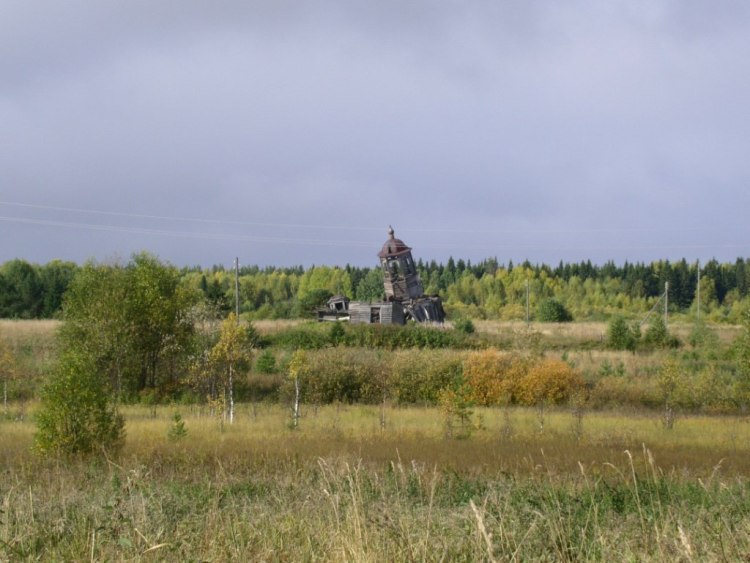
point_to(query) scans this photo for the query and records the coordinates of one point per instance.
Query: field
(604, 486)
(385, 483)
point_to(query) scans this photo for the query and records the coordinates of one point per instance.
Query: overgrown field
(597, 486)
(412, 444)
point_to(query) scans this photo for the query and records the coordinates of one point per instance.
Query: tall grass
(340, 489)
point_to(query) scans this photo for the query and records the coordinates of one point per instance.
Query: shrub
(464, 326)
(548, 381)
(336, 333)
(336, 375)
(492, 376)
(455, 404)
(418, 377)
(308, 336)
(76, 416)
(552, 311)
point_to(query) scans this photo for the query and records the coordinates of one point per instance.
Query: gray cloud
(532, 130)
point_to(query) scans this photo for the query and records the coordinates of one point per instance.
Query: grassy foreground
(607, 486)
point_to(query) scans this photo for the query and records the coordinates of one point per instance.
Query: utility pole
(527, 303)
(237, 288)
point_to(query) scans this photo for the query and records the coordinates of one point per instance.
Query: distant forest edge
(485, 290)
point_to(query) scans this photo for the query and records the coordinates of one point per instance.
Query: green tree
(97, 326)
(552, 311)
(21, 296)
(77, 414)
(370, 287)
(54, 278)
(657, 334)
(620, 336)
(299, 369)
(177, 431)
(132, 321)
(266, 362)
(312, 300)
(231, 353)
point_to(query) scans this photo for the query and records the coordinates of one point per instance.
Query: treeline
(485, 290)
(31, 291)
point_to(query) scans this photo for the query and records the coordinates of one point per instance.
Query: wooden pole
(527, 304)
(237, 289)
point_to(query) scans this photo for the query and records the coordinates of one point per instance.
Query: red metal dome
(393, 246)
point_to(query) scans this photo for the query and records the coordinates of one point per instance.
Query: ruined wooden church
(404, 295)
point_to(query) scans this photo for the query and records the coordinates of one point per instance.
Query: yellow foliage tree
(548, 382)
(232, 349)
(299, 369)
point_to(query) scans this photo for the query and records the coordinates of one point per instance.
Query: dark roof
(393, 246)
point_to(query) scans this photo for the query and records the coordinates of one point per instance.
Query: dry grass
(17, 332)
(339, 489)
(588, 332)
(269, 326)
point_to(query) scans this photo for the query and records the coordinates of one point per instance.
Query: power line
(184, 219)
(181, 234)
(333, 226)
(351, 243)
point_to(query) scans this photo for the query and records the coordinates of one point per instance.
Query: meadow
(595, 480)
(599, 486)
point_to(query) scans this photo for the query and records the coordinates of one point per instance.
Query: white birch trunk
(231, 394)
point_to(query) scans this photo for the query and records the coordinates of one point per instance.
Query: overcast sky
(295, 132)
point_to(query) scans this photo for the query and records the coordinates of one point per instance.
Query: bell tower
(400, 276)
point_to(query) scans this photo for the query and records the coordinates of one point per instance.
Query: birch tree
(298, 368)
(231, 352)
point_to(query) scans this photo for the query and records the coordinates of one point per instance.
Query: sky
(287, 133)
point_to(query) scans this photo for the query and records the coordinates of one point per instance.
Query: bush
(552, 311)
(549, 381)
(310, 336)
(76, 416)
(464, 326)
(493, 376)
(418, 377)
(336, 333)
